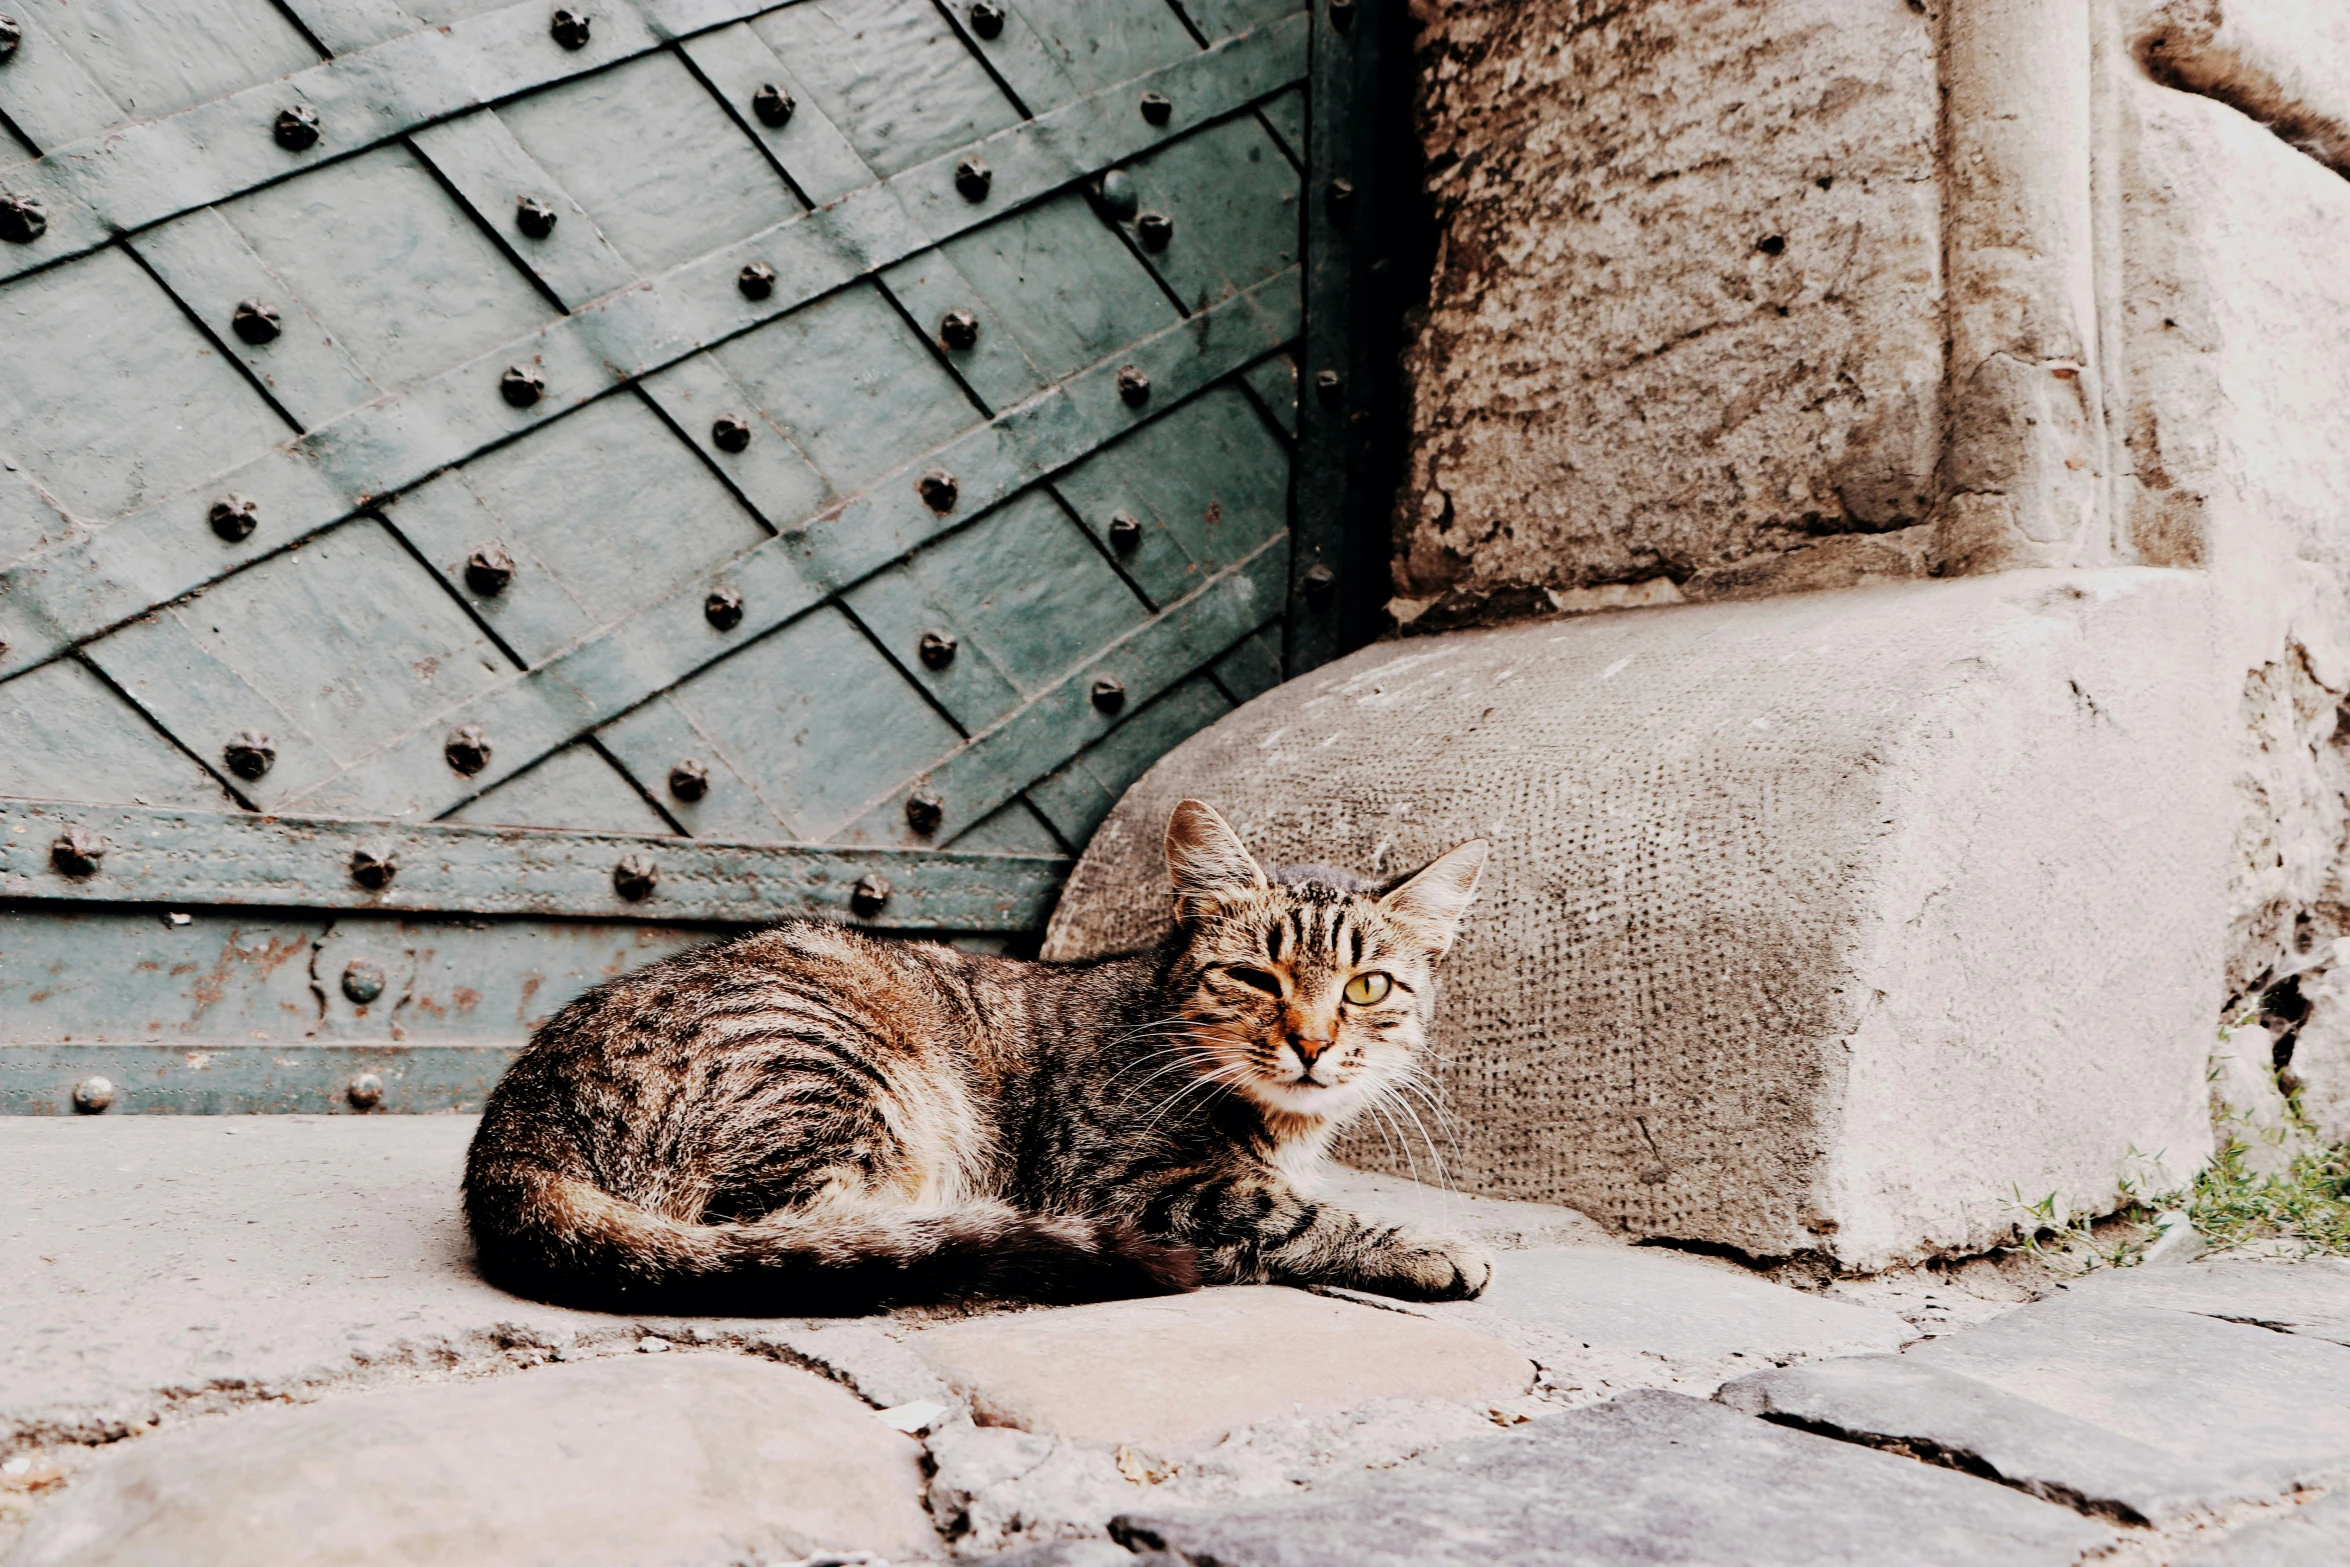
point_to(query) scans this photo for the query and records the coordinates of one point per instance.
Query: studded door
(670, 461)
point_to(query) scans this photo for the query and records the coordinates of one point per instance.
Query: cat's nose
(1308, 1050)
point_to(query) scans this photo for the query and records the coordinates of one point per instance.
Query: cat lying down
(810, 1119)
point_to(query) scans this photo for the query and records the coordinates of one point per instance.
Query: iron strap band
(201, 1075)
(153, 856)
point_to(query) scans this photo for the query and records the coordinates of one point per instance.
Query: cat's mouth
(1303, 1094)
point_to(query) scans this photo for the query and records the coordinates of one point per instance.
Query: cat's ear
(1435, 899)
(1206, 859)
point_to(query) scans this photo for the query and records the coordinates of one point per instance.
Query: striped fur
(810, 1119)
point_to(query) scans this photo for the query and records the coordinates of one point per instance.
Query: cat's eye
(1368, 989)
(1256, 978)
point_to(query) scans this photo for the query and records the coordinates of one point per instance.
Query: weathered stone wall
(1684, 334)
(2236, 303)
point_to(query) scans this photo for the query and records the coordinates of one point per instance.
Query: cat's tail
(556, 1237)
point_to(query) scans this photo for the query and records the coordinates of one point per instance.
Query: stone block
(2237, 314)
(1821, 924)
(1175, 1374)
(1650, 1477)
(2321, 1047)
(1907, 1406)
(2284, 63)
(2248, 1106)
(633, 1462)
(2315, 1535)
(1683, 1311)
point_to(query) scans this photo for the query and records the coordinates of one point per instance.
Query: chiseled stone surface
(1648, 1478)
(1686, 317)
(1902, 1404)
(1177, 1373)
(641, 1461)
(1725, 977)
(2317, 1535)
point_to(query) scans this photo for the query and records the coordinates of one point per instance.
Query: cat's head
(1309, 990)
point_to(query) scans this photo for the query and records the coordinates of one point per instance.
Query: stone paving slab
(642, 1461)
(191, 1262)
(1904, 1405)
(1175, 1374)
(1496, 1223)
(1652, 1478)
(2248, 1408)
(2310, 1296)
(2317, 1535)
(171, 1262)
(2146, 1413)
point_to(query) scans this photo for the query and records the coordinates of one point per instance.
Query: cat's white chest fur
(1301, 1162)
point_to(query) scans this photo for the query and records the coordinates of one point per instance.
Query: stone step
(1693, 1314)
(2308, 1296)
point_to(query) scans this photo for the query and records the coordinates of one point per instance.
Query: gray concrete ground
(260, 1339)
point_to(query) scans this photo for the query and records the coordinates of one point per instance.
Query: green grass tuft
(2303, 1211)
(2306, 1207)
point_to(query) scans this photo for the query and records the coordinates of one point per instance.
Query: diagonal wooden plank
(346, 26)
(1041, 736)
(783, 578)
(129, 176)
(210, 857)
(48, 96)
(208, 265)
(491, 171)
(80, 587)
(113, 177)
(738, 66)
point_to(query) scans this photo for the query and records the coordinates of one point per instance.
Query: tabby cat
(810, 1119)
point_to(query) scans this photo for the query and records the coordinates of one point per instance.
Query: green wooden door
(495, 493)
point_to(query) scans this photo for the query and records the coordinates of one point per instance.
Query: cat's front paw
(1416, 1266)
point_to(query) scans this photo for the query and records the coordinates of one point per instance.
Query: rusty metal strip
(84, 585)
(203, 1077)
(133, 854)
(785, 577)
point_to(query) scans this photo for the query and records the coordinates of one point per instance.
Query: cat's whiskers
(1221, 1081)
(1164, 1070)
(1390, 1095)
